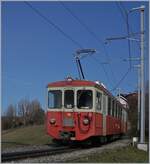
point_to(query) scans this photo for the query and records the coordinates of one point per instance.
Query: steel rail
(11, 156)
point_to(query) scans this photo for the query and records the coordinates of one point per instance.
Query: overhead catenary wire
(53, 24)
(62, 32)
(125, 18)
(91, 32)
(130, 29)
(50, 22)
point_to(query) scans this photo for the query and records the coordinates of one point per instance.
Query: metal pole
(142, 134)
(139, 98)
(139, 90)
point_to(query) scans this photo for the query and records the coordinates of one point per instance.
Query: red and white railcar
(80, 109)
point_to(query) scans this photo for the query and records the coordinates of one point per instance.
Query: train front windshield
(55, 99)
(84, 99)
(69, 99)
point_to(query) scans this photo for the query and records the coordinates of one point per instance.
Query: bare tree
(11, 115)
(37, 114)
(24, 109)
(11, 111)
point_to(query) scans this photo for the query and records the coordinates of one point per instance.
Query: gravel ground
(76, 154)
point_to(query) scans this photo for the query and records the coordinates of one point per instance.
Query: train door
(68, 107)
(104, 111)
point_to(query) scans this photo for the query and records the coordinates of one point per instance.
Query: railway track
(52, 150)
(14, 156)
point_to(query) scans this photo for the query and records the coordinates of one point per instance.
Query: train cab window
(55, 99)
(98, 101)
(69, 99)
(84, 99)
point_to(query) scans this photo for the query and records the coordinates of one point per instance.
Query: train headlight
(52, 121)
(86, 121)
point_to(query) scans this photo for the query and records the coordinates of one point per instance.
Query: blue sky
(35, 53)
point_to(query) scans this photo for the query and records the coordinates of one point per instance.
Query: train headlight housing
(52, 121)
(86, 121)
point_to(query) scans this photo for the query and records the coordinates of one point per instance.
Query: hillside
(31, 135)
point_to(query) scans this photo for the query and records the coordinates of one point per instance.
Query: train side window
(113, 107)
(69, 99)
(106, 100)
(55, 99)
(124, 115)
(117, 110)
(121, 113)
(109, 106)
(104, 103)
(98, 101)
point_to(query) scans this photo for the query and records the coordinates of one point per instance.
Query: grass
(31, 135)
(128, 154)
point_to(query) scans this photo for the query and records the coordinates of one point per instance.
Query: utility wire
(50, 22)
(82, 23)
(91, 32)
(121, 80)
(106, 74)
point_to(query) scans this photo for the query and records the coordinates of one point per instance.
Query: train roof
(71, 82)
(77, 83)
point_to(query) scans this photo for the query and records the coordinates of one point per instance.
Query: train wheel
(57, 141)
(96, 141)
